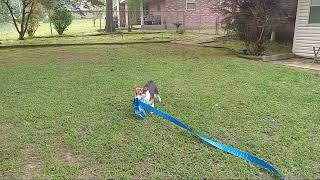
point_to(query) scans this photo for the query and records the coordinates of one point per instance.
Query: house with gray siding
(307, 29)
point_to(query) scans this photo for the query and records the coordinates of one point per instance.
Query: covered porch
(150, 15)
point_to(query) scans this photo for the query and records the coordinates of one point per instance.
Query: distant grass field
(78, 27)
(82, 27)
(82, 32)
(110, 38)
(66, 113)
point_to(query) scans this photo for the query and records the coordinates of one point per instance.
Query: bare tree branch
(11, 14)
(26, 12)
(29, 15)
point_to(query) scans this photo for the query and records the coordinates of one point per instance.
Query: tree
(61, 18)
(24, 16)
(109, 16)
(251, 20)
(4, 13)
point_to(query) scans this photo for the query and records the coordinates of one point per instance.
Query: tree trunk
(109, 17)
(21, 36)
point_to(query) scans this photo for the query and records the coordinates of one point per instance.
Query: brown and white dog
(149, 92)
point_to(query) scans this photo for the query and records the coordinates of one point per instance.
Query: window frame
(191, 2)
(309, 19)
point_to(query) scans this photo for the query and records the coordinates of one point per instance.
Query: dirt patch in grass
(88, 173)
(5, 129)
(143, 168)
(31, 164)
(66, 156)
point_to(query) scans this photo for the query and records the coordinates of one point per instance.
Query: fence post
(217, 24)
(200, 24)
(184, 21)
(51, 28)
(100, 22)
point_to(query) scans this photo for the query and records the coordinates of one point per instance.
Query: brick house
(161, 14)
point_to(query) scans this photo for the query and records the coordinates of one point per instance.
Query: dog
(151, 92)
(148, 93)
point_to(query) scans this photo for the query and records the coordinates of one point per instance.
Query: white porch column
(127, 14)
(141, 14)
(118, 12)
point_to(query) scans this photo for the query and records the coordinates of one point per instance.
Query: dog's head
(139, 91)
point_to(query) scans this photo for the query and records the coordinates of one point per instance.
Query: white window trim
(310, 5)
(190, 3)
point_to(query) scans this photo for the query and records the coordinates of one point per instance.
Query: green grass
(77, 27)
(75, 36)
(81, 31)
(238, 46)
(67, 113)
(110, 38)
(278, 48)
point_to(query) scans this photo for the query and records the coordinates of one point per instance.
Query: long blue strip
(165, 116)
(236, 152)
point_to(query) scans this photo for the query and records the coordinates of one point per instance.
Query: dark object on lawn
(245, 51)
(178, 29)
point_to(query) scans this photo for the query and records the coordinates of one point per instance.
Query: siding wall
(306, 35)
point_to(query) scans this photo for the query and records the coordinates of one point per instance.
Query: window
(190, 4)
(314, 12)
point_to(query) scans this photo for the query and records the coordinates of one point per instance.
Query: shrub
(251, 20)
(33, 25)
(61, 18)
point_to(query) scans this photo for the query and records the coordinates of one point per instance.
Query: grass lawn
(110, 38)
(238, 46)
(82, 31)
(67, 113)
(77, 27)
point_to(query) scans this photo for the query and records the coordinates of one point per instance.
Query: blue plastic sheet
(140, 110)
